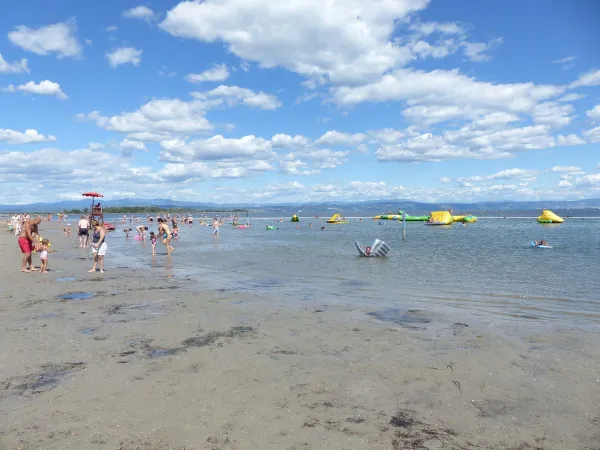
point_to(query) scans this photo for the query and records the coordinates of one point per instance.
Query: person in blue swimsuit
(165, 234)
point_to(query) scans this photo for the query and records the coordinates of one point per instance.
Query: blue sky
(255, 101)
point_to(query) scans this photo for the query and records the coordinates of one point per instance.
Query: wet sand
(144, 360)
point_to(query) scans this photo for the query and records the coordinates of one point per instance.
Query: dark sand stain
(48, 378)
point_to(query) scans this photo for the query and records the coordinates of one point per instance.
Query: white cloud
(111, 28)
(476, 51)
(346, 41)
(95, 146)
(508, 174)
(591, 78)
(124, 55)
(565, 169)
(232, 95)
(564, 60)
(552, 113)
(427, 28)
(29, 136)
(140, 12)
(592, 180)
(58, 38)
(564, 184)
(159, 116)
(338, 138)
(147, 136)
(45, 87)
(445, 180)
(571, 98)
(128, 147)
(447, 87)
(14, 67)
(216, 148)
(594, 113)
(286, 141)
(217, 73)
(593, 135)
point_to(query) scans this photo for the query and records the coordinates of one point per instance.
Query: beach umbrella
(92, 194)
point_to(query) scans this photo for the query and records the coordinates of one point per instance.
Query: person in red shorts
(26, 243)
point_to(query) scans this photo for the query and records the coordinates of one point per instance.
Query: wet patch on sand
(410, 319)
(409, 432)
(66, 279)
(493, 408)
(76, 296)
(204, 340)
(48, 378)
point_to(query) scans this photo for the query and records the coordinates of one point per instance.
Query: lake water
(486, 270)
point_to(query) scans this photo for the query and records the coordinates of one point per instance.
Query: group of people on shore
(29, 240)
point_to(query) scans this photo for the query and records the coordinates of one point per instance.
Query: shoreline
(151, 360)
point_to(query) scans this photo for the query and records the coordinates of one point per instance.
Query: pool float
(242, 227)
(138, 238)
(379, 248)
(533, 244)
(270, 227)
(549, 217)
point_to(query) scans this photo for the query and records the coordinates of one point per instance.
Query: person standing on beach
(84, 232)
(26, 243)
(165, 234)
(99, 246)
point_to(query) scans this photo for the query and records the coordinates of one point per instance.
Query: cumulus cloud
(59, 38)
(141, 13)
(219, 72)
(45, 87)
(591, 78)
(129, 146)
(14, 67)
(29, 136)
(157, 117)
(565, 169)
(476, 51)
(215, 148)
(124, 55)
(507, 174)
(338, 138)
(232, 95)
(594, 113)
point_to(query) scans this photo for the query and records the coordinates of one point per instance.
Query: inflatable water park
(548, 216)
(295, 218)
(337, 219)
(462, 219)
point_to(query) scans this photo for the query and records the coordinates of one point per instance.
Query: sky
(234, 101)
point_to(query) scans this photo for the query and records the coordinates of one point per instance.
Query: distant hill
(318, 208)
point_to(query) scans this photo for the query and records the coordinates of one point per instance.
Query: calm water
(484, 270)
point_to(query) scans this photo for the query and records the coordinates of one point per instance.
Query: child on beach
(127, 231)
(153, 242)
(43, 249)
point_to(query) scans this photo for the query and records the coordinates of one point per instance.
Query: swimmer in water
(368, 251)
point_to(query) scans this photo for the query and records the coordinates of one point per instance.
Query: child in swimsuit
(153, 242)
(43, 249)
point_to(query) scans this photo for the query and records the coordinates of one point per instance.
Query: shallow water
(486, 270)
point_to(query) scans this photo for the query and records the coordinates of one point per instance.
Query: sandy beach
(153, 361)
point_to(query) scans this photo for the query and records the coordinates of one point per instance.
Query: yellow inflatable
(467, 219)
(337, 219)
(549, 217)
(295, 218)
(439, 218)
